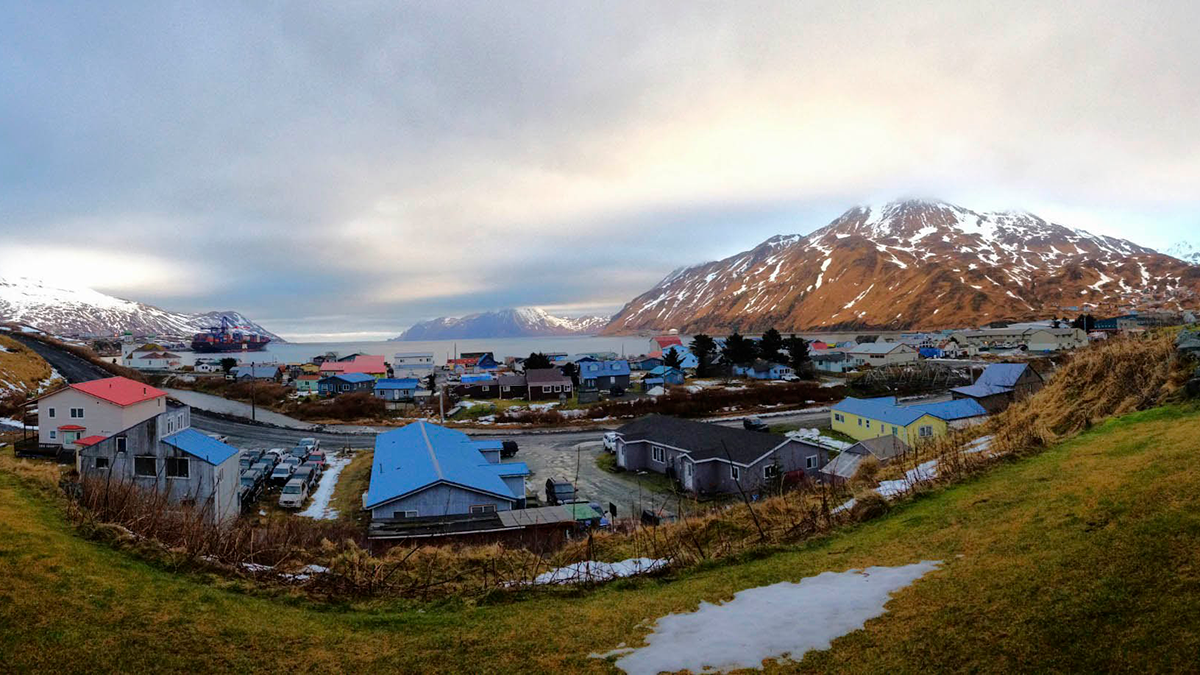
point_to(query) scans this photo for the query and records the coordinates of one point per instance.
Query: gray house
(843, 467)
(426, 471)
(1001, 384)
(603, 375)
(711, 459)
(164, 454)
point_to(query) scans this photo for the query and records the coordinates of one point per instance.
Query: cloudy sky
(344, 171)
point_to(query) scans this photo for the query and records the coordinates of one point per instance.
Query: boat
(228, 338)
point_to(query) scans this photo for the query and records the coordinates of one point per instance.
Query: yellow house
(864, 418)
(310, 369)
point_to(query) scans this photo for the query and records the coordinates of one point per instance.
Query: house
(346, 383)
(687, 360)
(154, 361)
(660, 343)
(843, 467)
(259, 373)
(762, 370)
(310, 368)
(203, 365)
(878, 354)
(512, 385)
(547, 384)
(397, 390)
(711, 459)
(367, 364)
(478, 386)
(423, 470)
(412, 364)
(864, 418)
(605, 375)
(164, 454)
(96, 408)
(1000, 384)
(663, 375)
(833, 362)
(1032, 338)
(308, 384)
(646, 363)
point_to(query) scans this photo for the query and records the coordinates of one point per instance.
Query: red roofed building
(97, 408)
(368, 364)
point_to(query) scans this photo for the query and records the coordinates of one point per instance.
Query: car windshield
(291, 490)
(247, 480)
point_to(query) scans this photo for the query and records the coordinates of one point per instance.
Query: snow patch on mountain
(513, 322)
(1185, 251)
(70, 310)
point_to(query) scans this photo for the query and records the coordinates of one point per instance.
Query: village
(433, 474)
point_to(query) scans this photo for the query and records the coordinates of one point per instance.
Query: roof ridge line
(432, 455)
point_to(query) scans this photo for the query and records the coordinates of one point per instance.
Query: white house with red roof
(97, 408)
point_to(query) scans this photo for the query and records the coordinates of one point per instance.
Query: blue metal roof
(663, 370)
(420, 455)
(603, 368)
(952, 410)
(1002, 374)
(353, 378)
(981, 390)
(397, 383)
(882, 409)
(200, 446)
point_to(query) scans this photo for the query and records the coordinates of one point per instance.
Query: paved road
(70, 366)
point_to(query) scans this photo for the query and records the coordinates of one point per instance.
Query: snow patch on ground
(845, 507)
(814, 436)
(591, 571)
(770, 622)
(319, 508)
(923, 472)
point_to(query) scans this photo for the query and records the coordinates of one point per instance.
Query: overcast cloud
(353, 169)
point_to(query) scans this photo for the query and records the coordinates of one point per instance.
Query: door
(689, 480)
(621, 453)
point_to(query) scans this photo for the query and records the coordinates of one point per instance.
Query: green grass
(1085, 558)
(651, 481)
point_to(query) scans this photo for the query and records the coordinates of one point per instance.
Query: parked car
(282, 474)
(249, 489)
(310, 443)
(291, 460)
(307, 473)
(559, 492)
(263, 467)
(508, 448)
(276, 453)
(791, 377)
(294, 493)
(754, 424)
(300, 452)
(317, 458)
(610, 441)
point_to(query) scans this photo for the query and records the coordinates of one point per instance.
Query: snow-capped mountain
(58, 309)
(913, 264)
(1185, 251)
(520, 322)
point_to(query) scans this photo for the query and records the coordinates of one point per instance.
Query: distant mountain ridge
(513, 322)
(82, 311)
(913, 264)
(1185, 251)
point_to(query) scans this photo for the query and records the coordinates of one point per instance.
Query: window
(735, 472)
(101, 462)
(177, 467)
(689, 467)
(483, 508)
(658, 454)
(487, 388)
(145, 466)
(925, 432)
(860, 421)
(53, 434)
(810, 462)
(868, 424)
(77, 413)
(895, 431)
(122, 442)
(838, 417)
(557, 388)
(50, 412)
(407, 514)
(505, 388)
(547, 390)
(770, 471)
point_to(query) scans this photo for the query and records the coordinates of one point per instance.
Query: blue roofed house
(687, 360)
(164, 454)
(398, 390)
(1000, 385)
(345, 383)
(866, 418)
(663, 375)
(763, 370)
(595, 374)
(423, 470)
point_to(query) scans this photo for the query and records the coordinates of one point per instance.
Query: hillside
(1185, 251)
(22, 373)
(913, 264)
(520, 322)
(57, 309)
(1079, 559)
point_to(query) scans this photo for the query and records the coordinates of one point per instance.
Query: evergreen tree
(738, 350)
(770, 346)
(228, 363)
(536, 361)
(798, 357)
(672, 358)
(704, 348)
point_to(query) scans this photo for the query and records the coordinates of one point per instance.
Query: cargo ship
(228, 338)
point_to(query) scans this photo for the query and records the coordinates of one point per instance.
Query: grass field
(1085, 558)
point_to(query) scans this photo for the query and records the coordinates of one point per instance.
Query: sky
(343, 170)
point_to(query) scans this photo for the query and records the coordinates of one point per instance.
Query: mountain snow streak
(913, 264)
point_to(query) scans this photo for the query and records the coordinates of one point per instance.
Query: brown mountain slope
(913, 264)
